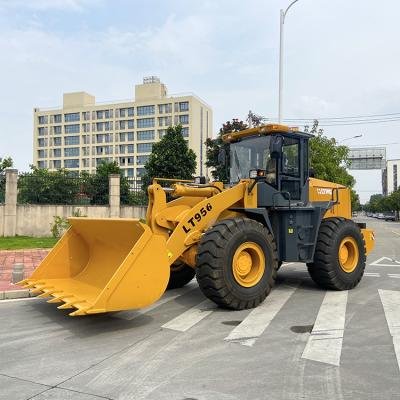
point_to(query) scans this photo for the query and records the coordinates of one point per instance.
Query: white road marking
(394, 262)
(391, 306)
(251, 328)
(168, 296)
(326, 339)
(397, 233)
(191, 317)
(373, 274)
(394, 276)
(21, 299)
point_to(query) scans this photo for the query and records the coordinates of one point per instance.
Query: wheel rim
(248, 264)
(348, 254)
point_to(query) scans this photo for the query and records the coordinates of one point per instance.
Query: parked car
(390, 216)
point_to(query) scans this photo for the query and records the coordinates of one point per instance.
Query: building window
(161, 133)
(42, 119)
(145, 135)
(57, 141)
(99, 114)
(42, 164)
(145, 123)
(57, 164)
(122, 112)
(130, 148)
(145, 110)
(122, 137)
(130, 136)
(71, 152)
(122, 149)
(57, 118)
(57, 130)
(86, 115)
(122, 124)
(184, 119)
(130, 112)
(164, 121)
(183, 106)
(71, 128)
(56, 152)
(122, 160)
(108, 114)
(394, 177)
(165, 108)
(71, 117)
(131, 160)
(42, 142)
(108, 137)
(131, 123)
(142, 160)
(144, 147)
(185, 132)
(140, 172)
(130, 172)
(42, 153)
(71, 140)
(71, 163)
(42, 131)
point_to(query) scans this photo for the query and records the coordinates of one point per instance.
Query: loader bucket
(102, 265)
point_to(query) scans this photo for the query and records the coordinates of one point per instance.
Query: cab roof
(264, 130)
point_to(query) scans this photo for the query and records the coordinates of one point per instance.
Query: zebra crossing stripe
(130, 315)
(372, 274)
(391, 306)
(394, 276)
(251, 328)
(191, 317)
(325, 341)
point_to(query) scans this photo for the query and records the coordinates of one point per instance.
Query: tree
(97, 185)
(213, 147)
(170, 158)
(5, 163)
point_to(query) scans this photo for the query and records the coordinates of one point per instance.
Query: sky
(341, 59)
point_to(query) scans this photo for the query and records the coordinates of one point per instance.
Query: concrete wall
(37, 219)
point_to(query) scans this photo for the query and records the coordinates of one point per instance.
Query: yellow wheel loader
(233, 237)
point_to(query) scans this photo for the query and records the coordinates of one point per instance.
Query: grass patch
(26, 242)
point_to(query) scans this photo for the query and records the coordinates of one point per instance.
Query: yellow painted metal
(104, 265)
(248, 264)
(348, 254)
(181, 190)
(267, 129)
(369, 239)
(323, 191)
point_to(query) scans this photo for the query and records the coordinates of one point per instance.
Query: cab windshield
(248, 154)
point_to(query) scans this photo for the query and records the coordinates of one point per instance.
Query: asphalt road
(302, 343)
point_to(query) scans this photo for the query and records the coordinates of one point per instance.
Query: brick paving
(30, 258)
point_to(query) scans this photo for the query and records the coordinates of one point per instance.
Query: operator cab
(275, 156)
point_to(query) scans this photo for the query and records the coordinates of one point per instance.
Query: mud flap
(102, 265)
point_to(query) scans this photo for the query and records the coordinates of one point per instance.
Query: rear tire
(180, 275)
(237, 263)
(340, 255)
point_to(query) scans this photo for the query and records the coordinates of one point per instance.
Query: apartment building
(389, 177)
(83, 133)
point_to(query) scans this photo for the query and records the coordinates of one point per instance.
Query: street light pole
(349, 138)
(281, 32)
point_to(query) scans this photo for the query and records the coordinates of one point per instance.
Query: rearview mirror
(275, 146)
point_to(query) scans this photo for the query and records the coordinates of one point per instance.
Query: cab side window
(291, 157)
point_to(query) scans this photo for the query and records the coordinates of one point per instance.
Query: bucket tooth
(81, 311)
(54, 301)
(44, 295)
(65, 306)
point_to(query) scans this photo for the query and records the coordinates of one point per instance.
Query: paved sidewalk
(30, 258)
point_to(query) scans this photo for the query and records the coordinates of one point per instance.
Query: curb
(16, 294)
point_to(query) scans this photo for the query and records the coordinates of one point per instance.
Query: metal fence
(136, 195)
(2, 188)
(62, 189)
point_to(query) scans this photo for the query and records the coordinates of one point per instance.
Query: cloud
(44, 5)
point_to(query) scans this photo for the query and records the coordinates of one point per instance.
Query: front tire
(340, 255)
(237, 263)
(180, 275)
